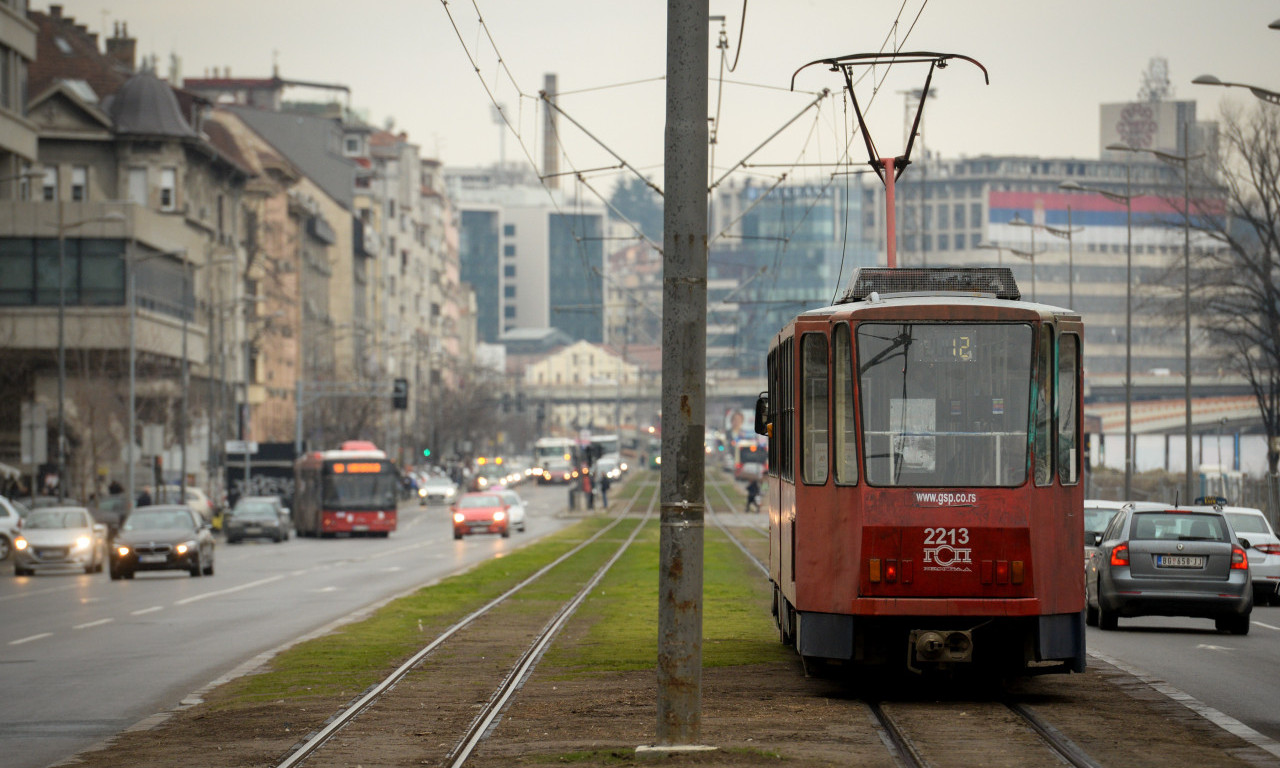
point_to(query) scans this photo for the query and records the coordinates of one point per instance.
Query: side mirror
(762, 413)
(1245, 543)
(1097, 538)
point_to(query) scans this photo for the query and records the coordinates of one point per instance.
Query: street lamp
(63, 227)
(1127, 199)
(1185, 162)
(1271, 97)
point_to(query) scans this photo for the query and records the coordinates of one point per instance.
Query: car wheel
(6, 548)
(1236, 625)
(115, 574)
(1090, 615)
(506, 533)
(1107, 619)
(127, 574)
(91, 567)
(457, 535)
(208, 569)
(277, 538)
(20, 571)
(1274, 599)
(195, 567)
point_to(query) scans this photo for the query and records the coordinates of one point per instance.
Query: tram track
(315, 749)
(910, 730)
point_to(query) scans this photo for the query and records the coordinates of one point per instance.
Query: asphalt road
(83, 657)
(1233, 674)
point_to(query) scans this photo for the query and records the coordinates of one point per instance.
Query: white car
(1262, 549)
(11, 514)
(60, 537)
(437, 489)
(515, 509)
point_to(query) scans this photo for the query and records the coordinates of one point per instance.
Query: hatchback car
(256, 517)
(480, 513)
(1169, 562)
(1263, 548)
(515, 509)
(277, 505)
(437, 489)
(59, 538)
(163, 538)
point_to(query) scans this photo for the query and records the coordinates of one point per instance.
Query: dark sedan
(1169, 562)
(256, 517)
(162, 538)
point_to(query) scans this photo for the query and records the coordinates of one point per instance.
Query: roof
(76, 57)
(146, 106)
(310, 143)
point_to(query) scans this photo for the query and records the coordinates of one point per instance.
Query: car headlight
(422, 491)
(82, 543)
(499, 516)
(185, 547)
(19, 543)
(482, 482)
(458, 517)
(122, 551)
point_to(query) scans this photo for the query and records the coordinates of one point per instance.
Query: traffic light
(426, 453)
(400, 395)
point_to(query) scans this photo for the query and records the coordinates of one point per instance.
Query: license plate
(359, 527)
(1179, 561)
(151, 558)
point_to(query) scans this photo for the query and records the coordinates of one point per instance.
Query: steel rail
(764, 567)
(893, 737)
(316, 740)
(529, 659)
(1058, 742)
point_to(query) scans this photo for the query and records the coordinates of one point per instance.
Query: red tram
(925, 448)
(352, 490)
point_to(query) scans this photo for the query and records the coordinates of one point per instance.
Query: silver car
(437, 489)
(58, 538)
(1169, 562)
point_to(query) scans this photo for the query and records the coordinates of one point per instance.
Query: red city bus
(351, 490)
(925, 447)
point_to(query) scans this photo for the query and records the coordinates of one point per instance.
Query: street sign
(242, 446)
(35, 434)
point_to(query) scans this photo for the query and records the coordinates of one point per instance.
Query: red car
(480, 513)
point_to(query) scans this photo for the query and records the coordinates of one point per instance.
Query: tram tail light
(1002, 571)
(891, 571)
(1239, 560)
(1120, 555)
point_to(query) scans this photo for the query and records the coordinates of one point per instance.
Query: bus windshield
(360, 491)
(945, 404)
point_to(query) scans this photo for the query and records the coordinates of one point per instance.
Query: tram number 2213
(951, 536)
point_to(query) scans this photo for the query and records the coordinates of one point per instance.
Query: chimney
(550, 155)
(55, 11)
(123, 48)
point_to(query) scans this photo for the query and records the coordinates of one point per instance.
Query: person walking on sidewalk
(605, 482)
(753, 496)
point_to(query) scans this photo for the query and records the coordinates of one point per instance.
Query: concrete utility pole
(684, 364)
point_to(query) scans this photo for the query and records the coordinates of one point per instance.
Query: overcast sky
(1051, 64)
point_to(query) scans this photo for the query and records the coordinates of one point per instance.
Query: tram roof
(936, 300)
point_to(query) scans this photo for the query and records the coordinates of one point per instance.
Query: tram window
(813, 408)
(1068, 416)
(846, 435)
(1043, 414)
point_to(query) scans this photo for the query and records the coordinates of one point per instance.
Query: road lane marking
(40, 636)
(1268, 626)
(97, 623)
(152, 609)
(35, 592)
(220, 592)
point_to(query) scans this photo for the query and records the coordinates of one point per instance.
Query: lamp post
(1271, 97)
(1127, 199)
(63, 227)
(1185, 161)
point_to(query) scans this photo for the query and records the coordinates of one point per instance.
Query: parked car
(1169, 562)
(437, 489)
(59, 538)
(162, 538)
(480, 513)
(515, 509)
(256, 517)
(1263, 549)
(11, 514)
(41, 502)
(195, 498)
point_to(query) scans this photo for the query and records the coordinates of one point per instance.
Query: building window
(957, 213)
(353, 145)
(509, 270)
(509, 291)
(138, 186)
(508, 230)
(975, 215)
(50, 191)
(509, 250)
(509, 312)
(168, 189)
(944, 242)
(79, 183)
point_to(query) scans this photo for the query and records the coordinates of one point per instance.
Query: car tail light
(1239, 560)
(1268, 549)
(1120, 555)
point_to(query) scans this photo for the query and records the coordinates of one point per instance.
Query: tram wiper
(902, 341)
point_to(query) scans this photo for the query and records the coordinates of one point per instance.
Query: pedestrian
(753, 495)
(144, 498)
(115, 488)
(587, 490)
(605, 482)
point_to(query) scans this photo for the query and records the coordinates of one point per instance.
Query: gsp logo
(941, 552)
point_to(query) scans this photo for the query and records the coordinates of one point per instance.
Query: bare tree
(467, 415)
(1239, 274)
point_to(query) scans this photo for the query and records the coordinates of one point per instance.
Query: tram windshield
(945, 404)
